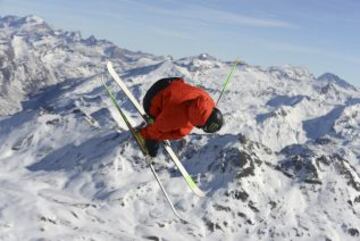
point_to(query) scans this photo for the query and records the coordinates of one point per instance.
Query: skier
(176, 108)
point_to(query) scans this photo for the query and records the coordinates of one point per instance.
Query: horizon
(257, 32)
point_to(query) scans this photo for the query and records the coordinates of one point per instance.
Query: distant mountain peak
(333, 78)
(206, 56)
(32, 19)
(291, 72)
(15, 20)
(329, 76)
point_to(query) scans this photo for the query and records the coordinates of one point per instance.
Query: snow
(284, 167)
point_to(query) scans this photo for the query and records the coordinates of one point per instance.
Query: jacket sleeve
(200, 109)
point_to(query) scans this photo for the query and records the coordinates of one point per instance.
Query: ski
(132, 131)
(189, 180)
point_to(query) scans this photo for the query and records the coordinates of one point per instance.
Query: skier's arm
(199, 110)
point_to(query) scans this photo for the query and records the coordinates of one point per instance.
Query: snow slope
(284, 167)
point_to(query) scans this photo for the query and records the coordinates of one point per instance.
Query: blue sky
(320, 35)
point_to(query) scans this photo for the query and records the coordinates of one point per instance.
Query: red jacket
(177, 109)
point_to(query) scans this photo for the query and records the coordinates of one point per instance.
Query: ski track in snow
(284, 167)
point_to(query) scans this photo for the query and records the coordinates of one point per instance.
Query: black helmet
(214, 122)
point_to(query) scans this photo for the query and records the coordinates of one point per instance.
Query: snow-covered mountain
(285, 166)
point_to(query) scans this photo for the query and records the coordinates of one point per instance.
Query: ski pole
(227, 80)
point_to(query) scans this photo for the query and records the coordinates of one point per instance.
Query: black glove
(152, 146)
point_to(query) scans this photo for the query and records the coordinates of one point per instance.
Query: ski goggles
(211, 128)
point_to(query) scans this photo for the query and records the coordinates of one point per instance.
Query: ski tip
(109, 65)
(193, 186)
(196, 189)
(199, 192)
